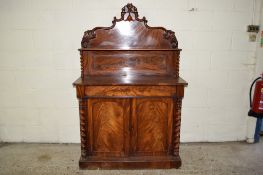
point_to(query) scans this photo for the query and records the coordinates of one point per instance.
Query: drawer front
(129, 91)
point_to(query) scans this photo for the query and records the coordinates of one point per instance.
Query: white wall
(258, 72)
(39, 61)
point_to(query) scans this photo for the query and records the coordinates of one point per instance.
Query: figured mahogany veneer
(130, 95)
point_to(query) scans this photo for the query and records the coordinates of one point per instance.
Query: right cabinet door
(151, 126)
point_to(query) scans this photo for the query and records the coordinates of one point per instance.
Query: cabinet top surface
(129, 80)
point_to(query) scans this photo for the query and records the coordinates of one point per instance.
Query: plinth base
(164, 162)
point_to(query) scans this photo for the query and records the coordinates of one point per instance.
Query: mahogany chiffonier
(130, 95)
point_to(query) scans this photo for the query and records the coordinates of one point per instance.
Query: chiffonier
(130, 95)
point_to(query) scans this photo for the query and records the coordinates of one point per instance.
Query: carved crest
(129, 13)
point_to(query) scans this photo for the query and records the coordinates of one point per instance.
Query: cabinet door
(108, 121)
(151, 121)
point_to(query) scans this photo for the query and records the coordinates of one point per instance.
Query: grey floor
(198, 158)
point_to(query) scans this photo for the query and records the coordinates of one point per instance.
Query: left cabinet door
(108, 120)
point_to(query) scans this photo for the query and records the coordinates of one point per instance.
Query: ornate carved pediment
(126, 31)
(129, 13)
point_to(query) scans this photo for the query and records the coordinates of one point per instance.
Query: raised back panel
(129, 44)
(120, 62)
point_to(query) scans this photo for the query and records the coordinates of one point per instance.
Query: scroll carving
(177, 125)
(88, 35)
(129, 13)
(169, 35)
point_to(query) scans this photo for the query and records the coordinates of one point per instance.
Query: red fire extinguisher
(256, 106)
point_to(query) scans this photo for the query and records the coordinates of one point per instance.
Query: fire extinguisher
(256, 106)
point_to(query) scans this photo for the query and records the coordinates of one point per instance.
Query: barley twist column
(83, 124)
(176, 125)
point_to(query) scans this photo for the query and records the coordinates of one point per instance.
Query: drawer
(130, 91)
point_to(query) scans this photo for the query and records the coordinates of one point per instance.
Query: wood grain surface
(130, 95)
